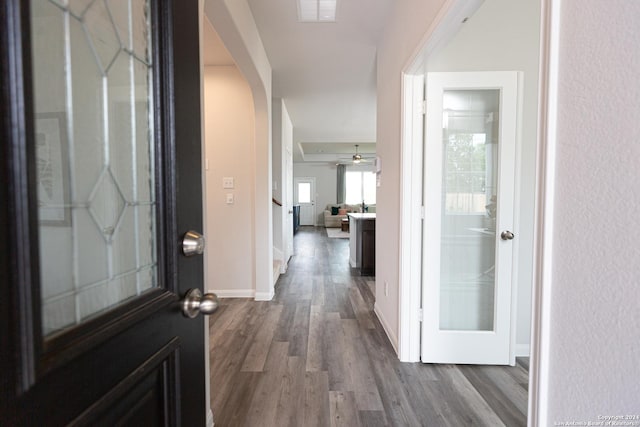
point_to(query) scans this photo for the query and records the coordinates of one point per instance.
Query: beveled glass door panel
(470, 141)
(94, 134)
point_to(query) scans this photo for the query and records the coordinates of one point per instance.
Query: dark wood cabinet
(368, 248)
(296, 218)
(362, 242)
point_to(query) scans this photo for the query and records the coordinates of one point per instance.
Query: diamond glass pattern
(106, 204)
(101, 34)
(93, 83)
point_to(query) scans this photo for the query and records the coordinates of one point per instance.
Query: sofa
(334, 213)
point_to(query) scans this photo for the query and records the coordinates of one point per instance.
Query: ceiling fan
(356, 158)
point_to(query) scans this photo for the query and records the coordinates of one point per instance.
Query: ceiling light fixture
(317, 10)
(357, 158)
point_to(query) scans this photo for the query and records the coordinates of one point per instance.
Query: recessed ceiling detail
(335, 151)
(317, 10)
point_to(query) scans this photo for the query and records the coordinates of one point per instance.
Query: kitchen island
(362, 242)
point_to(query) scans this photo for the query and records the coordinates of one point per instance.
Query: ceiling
(326, 73)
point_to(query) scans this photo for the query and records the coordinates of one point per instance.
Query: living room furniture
(334, 220)
(345, 224)
(362, 242)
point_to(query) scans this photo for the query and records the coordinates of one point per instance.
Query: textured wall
(594, 346)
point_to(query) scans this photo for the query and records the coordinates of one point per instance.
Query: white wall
(234, 23)
(503, 35)
(326, 182)
(407, 25)
(230, 139)
(592, 303)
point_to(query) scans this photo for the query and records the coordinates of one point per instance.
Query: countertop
(358, 216)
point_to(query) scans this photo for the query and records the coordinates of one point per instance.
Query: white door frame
(444, 26)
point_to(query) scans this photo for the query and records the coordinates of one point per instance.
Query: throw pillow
(342, 211)
(334, 210)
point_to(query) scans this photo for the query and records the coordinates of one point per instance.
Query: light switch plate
(229, 198)
(227, 182)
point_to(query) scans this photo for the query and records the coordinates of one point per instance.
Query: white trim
(385, 325)
(210, 418)
(410, 218)
(444, 26)
(513, 352)
(265, 296)
(234, 293)
(545, 193)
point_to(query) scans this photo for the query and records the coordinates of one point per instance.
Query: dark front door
(100, 180)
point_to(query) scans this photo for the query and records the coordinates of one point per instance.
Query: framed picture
(52, 158)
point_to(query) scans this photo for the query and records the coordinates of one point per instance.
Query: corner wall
(405, 29)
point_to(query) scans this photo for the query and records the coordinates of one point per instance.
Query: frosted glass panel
(94, 143)
(470, 141)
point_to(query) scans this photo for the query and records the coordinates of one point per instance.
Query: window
(467, 178)
(360, 186)
(304, 192)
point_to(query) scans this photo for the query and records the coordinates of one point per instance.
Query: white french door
(468, 246)
(305, 196)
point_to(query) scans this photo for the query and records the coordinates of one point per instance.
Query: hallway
(317, 355)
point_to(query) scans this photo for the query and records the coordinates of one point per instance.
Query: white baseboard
(233, 293)
(523, 350)
(265, 296)
(392, 337)
(209, 418)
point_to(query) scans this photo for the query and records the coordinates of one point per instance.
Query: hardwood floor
(317, 356)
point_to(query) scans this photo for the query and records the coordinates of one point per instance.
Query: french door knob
(507, 235)
(192, 243)
(194, 302)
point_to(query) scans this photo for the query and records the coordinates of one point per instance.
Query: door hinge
(422, 212)
(420, 315)
(423, 107)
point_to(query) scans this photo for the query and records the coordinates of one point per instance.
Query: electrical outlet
(230, 198)
(386, 288)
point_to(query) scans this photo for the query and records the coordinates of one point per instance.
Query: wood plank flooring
(317, 356)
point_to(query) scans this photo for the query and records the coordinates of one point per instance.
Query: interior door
(101, 180)
(470, 155)
(305, 195)
(287, 189)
